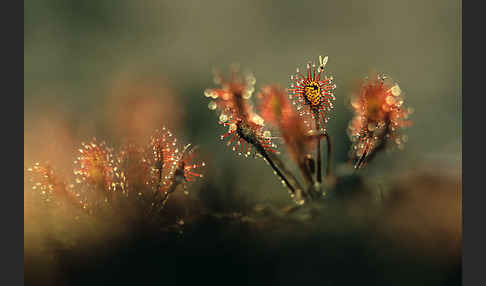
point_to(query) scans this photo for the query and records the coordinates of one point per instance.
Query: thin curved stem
(277, 170)
(290, 176)
(329, 154)
(368, 156)
(306, 171)
(172, 188)
(318, 152)
(156, 193)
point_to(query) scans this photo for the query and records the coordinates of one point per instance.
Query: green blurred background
(76, 51)
(118, 69)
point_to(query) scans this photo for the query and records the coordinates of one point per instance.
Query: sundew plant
(299, 115)
(144, 196)
(142, 178)
(242, 142)
(131, 179)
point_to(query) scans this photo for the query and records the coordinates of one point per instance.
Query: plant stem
(248, 134)
(306, 172)
(367, 157)
(329, 154)
(173, 186)
(156, 193)
(277, 170)
(318, 150)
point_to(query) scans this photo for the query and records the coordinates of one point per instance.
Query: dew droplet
(395, 90)
(212, 105)
(371, 127)
(390, 100)
(223, 117)
(257, 119)
(300, 202)
(247, 94)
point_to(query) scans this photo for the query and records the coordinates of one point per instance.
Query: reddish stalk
(318, 149)
(329, 154)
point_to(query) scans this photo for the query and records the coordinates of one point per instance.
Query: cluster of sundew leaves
(277, 109)
(378, 116)
(98, 176)
(44, 179)
(164, 157)
(102, 175)
(245, 127)
(51, 187)
(161, 159)
(313, 96)
(313, 93)
(96, 166)
(128, 161)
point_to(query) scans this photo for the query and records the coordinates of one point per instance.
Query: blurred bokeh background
(118, 69)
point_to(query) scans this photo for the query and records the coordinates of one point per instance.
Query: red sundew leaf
(276, 108)
(313, 92)
(245, 127)
(379, 116)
